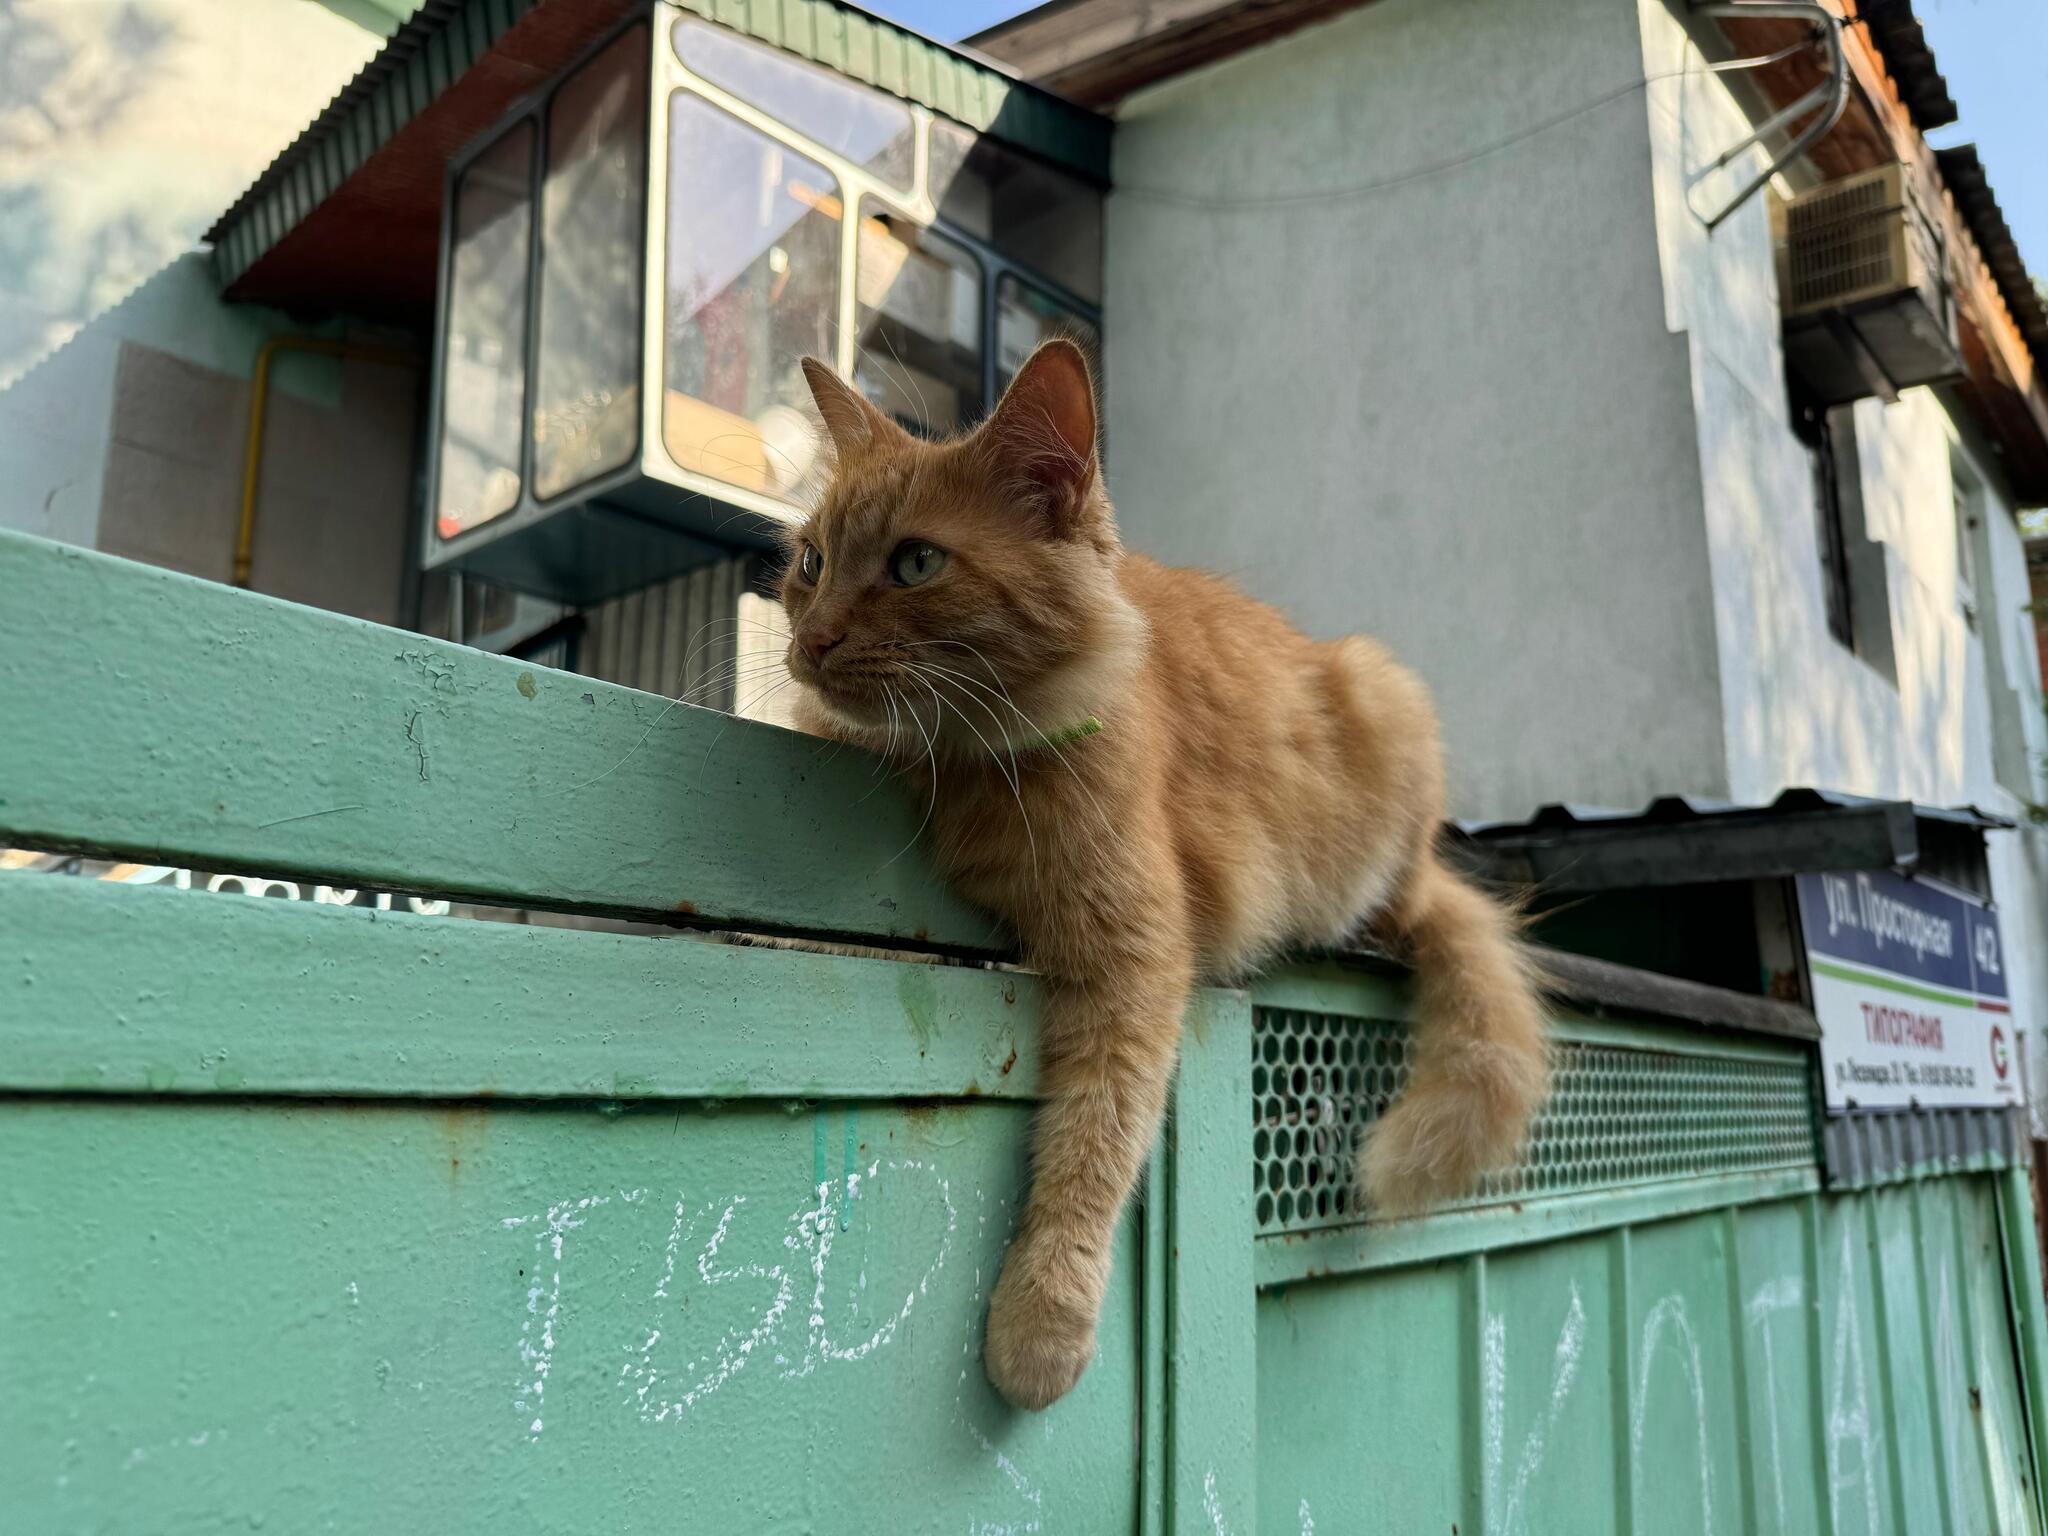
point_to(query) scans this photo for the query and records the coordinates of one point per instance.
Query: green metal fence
(322, 1218)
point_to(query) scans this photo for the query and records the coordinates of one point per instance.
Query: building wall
(1939, 706)
(123, 378)
(1433, 399)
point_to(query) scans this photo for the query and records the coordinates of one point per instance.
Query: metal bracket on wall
(1828, 100)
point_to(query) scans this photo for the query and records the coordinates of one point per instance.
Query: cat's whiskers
(932, 803)
(704, 691)
(1044, 737)
(738, 712)
(934, 674)
(1012, 779)
(885, 760)
(736, 623)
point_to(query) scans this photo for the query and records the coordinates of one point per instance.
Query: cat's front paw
(1039, 1342)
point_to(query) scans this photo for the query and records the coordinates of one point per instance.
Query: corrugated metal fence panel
(561, 1228)
(1658, 1321)
(677, 638)
(1823, 1363)
(1862, 1150)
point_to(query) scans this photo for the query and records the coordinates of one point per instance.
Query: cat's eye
(810, 565)
(916, 562)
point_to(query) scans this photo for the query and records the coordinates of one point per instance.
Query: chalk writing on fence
(1787, 1293)
(1564, 1370)
(537, 1344)
(1849, 1404)
(1669, 1318)
(734, 1349)
(656, 1385)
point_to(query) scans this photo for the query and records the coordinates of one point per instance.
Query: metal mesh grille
(1843, 240)
(1616, 1116)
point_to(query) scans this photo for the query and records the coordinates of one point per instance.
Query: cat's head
(961, 586)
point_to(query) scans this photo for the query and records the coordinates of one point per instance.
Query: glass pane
(753, 286)
(1038, 217)
(1025, 316)
(586, 409)
(874, 131)
(483, 361)
(919, 295)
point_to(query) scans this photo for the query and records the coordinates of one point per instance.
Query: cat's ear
(1042, 435)
(853, 422)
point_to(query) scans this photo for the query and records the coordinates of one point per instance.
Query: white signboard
(1909, 986)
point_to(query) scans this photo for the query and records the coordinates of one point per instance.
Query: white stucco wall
(1434, 399)
(1799, 707)
(1486, 388)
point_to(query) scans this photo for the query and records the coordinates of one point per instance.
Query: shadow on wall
(67, 89)
(1802, 707)
(56, 419)
(125, 127)
(130, 438)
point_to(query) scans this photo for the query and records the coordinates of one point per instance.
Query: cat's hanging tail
(1480, 1065)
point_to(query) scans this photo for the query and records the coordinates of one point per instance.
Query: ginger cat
(1155, 780)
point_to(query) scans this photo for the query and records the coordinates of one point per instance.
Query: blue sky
(946, 20)
(1994, 53)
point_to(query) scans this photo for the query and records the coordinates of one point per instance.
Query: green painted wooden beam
(121, 989)
(154, 716)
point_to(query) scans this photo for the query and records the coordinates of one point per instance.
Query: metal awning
(1964, 172)
(1689, 840)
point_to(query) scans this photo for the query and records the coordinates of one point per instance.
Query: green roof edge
(446, 38)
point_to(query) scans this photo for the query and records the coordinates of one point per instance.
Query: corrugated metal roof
(1666, 809)
(1964, 173)
(1902, 43)
(1859, 1150)
(446, 38)
(1690, 840)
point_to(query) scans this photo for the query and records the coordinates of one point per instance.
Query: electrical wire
(1224, 203)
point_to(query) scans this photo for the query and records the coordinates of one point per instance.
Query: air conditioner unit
(1863, 282)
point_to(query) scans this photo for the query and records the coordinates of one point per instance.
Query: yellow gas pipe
(259, 400)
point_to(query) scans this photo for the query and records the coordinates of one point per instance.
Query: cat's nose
(816, 642)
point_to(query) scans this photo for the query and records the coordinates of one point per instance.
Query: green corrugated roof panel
(445, 39)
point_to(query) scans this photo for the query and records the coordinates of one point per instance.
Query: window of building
(484, 372)
(1027, 315)
(753, 287)
(586, 386)
(1818, 428)
(1967, 497)
(874, 131)
(919, 318)
(2012, 688)
(1036, 216)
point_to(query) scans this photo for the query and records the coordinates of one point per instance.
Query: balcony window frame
(858, 185)
(533, 113)
(651, 465)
